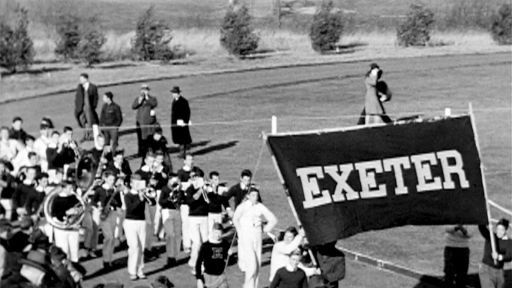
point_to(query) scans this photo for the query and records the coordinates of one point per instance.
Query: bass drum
(49, 214)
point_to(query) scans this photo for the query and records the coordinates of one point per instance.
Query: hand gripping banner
(345, 182)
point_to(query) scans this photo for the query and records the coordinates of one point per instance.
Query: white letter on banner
(424, 173)
(396, 165)
(367, 179)
(341, 182)
(308, 177)
(448, 169)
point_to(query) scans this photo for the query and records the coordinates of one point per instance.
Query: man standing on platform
(86, 100)
(180, 118)
(145, 105)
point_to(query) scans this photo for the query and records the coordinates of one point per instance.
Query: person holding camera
(146, 122)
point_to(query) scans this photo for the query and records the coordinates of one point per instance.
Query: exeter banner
(345, 182)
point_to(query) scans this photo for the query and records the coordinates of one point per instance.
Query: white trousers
(249, 254)
(135, 231)
(68, 241)
(184, 210)
(7, 204)
(198, 229)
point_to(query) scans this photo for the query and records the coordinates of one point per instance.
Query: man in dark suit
(146, 122)
(180, 117)
(111, 118)
(86, 100)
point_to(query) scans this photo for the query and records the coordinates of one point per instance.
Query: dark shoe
(134, 277)
(107, 266)
(171, 262)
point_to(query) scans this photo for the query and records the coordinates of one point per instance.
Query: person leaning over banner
(377, 92)
(282, 249)
(86, 101)
(456, 256)
(249, 220)
(145, 120)
(180, 119)
(213, 257)
(111, 118)
(491, 269)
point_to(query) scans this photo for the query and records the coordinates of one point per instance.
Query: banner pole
(281, 179)
(475, 133)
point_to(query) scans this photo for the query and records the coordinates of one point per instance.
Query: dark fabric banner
(345, 182)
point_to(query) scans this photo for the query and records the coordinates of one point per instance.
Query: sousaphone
(83, 174)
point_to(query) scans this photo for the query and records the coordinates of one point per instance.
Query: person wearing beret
(145, 119)
(111, 118)
(180, 118)
(86, 101)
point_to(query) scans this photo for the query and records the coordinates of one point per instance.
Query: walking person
(456, 256)
(291, 276)
(135, 225)
(217, 201)
(180, 119)
(145, 119)
(249, 219)
(197, 200)
(377, 92)
(213, 257)
(169, 200)
(86, 101)
(491, 271)
(106, 201)
(111, 118)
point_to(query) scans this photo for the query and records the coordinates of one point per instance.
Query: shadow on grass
(216, 147)
(35, 71)
(473, 281)
(171, 150)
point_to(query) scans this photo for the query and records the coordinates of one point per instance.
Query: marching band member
(169, 200)
(197, 200)
(249, 220)
(184, 176)
(217, 200)
(122, 170)
(106, 200)
(135, 224)
(65, 208)
(161, 172)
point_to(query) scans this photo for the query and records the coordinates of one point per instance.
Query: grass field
(195, 24)
(230, 110)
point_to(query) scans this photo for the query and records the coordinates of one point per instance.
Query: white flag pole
(281, 179)
(491, 232)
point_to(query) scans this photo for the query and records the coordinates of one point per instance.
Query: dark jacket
(111, 115)
(19, 135)
(502, 247)
(92, 93)
(180, 110)
(143, 116)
